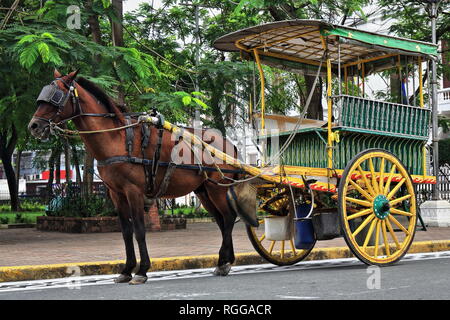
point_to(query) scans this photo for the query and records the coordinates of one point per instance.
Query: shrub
(19, 218)
(70, 201)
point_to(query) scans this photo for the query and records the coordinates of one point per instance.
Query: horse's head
(55, 104)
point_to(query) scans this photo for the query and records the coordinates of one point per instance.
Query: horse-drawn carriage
(369, 154)
(350, 176)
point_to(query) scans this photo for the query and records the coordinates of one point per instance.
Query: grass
(20, 217)
(188, 212)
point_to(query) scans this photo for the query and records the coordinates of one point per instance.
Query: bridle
(58, 98)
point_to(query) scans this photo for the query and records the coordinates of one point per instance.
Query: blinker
(53, 95)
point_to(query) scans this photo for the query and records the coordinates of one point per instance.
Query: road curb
(52, 271)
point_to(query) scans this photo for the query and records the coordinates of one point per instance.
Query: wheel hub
(381, 207)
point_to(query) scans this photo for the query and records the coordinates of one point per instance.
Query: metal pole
(197, 57)
(434, 109)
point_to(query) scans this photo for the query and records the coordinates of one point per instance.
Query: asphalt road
(417, 276)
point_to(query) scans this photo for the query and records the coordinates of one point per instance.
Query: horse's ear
(73, 74)
(57, 74)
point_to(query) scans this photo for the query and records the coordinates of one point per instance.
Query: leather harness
(58, 98)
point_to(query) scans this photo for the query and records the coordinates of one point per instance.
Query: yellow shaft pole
(330, 115)
(263, 102)
(420, 83)
(363, 80)
(424, 150)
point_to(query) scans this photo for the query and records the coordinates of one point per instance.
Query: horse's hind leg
(120, 202)
(214, 201)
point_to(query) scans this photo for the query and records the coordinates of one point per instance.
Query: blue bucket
(304, 230)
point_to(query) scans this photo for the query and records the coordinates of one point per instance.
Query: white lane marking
(297, 298)
(83, 281)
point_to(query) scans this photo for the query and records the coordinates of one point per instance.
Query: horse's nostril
(34, 125)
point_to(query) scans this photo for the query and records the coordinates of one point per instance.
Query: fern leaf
(44, 51)
(28, 56)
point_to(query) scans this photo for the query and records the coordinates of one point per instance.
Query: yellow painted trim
(32, 272)
(420, 83)
(369, 254)
(424, 161)
(363, 76)
(324, 42)
(286, 57)
(330, 115)
(263, 100)
(323, 172)
(369, 60)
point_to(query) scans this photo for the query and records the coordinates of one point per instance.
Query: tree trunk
(117, 40)
(88, 177)
(315, 110)
(8, 141)
(51, 169)
(94, 26)
(395, 87)
(58, 167)
(18, 161)
(67, 160)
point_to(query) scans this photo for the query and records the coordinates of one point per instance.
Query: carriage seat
(286, 123)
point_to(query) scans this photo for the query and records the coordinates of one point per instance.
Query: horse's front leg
(136, 201)
(121, 204)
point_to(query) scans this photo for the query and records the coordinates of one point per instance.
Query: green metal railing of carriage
(363, 124)
(384, 117)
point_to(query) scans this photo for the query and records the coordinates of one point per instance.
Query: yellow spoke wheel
(377, 206)
(281, 252)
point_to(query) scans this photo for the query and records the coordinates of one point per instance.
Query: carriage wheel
(378, 210)
(282, 252)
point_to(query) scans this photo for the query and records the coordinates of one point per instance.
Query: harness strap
(129, 134)
(165, 182)
(156, 156)
(147, 162)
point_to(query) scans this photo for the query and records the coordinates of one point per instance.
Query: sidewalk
(20, 247)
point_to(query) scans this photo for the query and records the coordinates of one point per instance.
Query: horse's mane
(101, 96)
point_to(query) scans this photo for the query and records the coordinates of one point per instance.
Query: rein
(77, 132)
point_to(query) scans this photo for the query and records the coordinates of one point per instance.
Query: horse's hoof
(123, 278)
(223, 270)
(138, 279)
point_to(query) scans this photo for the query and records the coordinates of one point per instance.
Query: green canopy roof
(303, 42)
(382, 40)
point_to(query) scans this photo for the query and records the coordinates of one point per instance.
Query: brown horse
(90, 109)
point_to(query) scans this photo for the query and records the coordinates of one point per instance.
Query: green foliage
(70, 201)
(43, 45)
(187, 212)
(27, 206)
(20, 217)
